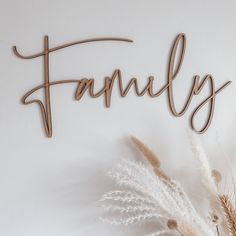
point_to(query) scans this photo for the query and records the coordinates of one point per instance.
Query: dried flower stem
(217, 230)
(182, 228)
(151, 158)
(230, 213)
(148, 153)
(173, 225)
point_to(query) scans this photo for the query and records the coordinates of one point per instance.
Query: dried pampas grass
(230, 214)
(146, 194)
(148, 153)
(151, 157)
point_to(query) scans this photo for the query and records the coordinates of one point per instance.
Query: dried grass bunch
(147, 193)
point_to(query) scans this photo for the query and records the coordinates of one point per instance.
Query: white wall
(50, 187)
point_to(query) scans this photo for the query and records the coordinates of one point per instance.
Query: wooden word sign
(87, 84)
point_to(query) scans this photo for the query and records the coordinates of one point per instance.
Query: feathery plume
(146, 196)
(204, 166)
(151, 158)
(230, 214)
(148, 153)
